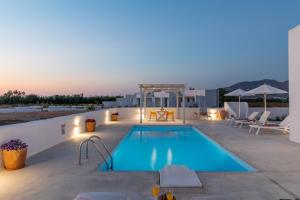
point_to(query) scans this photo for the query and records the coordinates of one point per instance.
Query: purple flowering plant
(15, 144)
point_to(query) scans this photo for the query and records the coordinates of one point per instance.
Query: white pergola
(162, 88)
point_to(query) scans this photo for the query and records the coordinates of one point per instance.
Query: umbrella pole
(239, 107)
(265, 102)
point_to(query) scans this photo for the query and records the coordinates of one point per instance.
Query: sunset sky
(108, 47)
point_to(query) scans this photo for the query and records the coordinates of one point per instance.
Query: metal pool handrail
(106, 149)
(90, 139)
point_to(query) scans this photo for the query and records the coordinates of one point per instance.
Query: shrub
(15, 144)
(91, 107)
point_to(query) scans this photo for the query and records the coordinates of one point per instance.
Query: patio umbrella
(265, 90)
(237, 93)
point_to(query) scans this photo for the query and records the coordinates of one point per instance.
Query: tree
(14, 97)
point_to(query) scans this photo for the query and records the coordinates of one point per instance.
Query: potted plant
(14, 154)
(90, 125)
(114, 116)
(223, 114)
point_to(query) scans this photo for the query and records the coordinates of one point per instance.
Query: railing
(98, 149)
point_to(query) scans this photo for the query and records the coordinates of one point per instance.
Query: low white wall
(43, 134)
(275, 111)
(128, 113)
(233, 109)
(189, 112)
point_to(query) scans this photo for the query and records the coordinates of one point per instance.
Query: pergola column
(145, 102)
(141, 106)
(183, 100)
(177, 104)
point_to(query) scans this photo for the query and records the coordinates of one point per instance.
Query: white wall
(43, 134)
(129, 113)
(189, 112)
(294, 82)
(233, 109)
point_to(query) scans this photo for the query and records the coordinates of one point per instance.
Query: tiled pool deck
(55, 175)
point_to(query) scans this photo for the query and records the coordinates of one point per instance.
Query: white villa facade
(201, 98)
(294, 82)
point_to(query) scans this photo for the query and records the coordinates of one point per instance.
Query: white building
(294, 83)
(202, 98)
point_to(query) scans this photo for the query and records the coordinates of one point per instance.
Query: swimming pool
(150, 148)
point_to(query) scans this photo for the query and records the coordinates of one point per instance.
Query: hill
(248, 85)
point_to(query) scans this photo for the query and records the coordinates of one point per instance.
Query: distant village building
(193, 98)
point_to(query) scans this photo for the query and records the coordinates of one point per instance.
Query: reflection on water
(153, 158)
(169, 156)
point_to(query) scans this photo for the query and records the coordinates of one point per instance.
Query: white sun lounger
(175, 176)
(100, 196)
(282, 126)
(250, 118)
(262, 120)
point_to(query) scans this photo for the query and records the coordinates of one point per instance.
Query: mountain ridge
(249, 85)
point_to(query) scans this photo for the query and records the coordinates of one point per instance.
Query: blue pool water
(150, 148)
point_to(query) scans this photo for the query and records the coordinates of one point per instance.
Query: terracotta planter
(223, 114)
(114, 117)
(14, 159)
(90, 126)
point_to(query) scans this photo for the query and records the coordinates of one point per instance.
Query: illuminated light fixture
(76, 131)
(106, 116)
(143, 114)
(76, 121)
(214, 114)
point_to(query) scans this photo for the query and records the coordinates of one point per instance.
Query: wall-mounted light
(76, 121)
(106, 116)
(213, 114)
(76, 129)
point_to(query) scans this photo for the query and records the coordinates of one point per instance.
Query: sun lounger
(263, 119)
(230, 120)
(204, 115)
(175, 176)
(252, 117)
(100, 196)
(282, 126)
